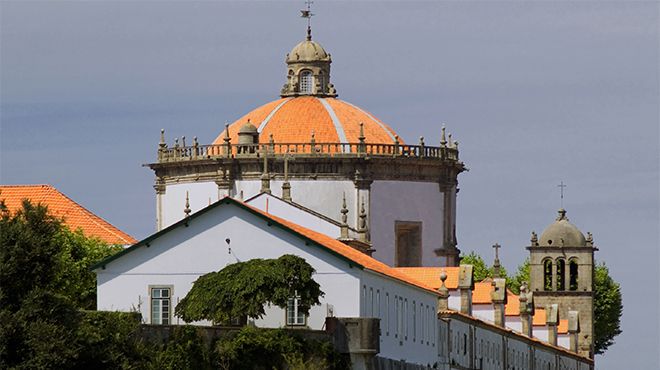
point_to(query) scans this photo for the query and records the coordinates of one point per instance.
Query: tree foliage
(480, 269)
(608, 308)
(44, 281)
(243, 288)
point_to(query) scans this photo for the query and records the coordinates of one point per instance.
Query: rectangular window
(293, 315)
(387, 313)
(378, 303)
(161, 302)
(371, 302)
(414, 312)
(396, 317)
(408, 240)
(405, 318)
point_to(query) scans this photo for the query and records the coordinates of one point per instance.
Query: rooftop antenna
(561, 187)
(307, 13)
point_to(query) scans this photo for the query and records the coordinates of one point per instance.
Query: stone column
(466, 285)
(160, 191)
(552, 321)
(498, 296)
(526, 310)
(573, 330)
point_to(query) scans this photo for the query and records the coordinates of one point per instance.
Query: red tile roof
(481, 293)
(75, 216)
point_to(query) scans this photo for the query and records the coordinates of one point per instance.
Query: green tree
(480, 268)
(44, 281)
(608, 305)
(243, 288)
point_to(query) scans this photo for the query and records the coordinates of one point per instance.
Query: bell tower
(562, 272)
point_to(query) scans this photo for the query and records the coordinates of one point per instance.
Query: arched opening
(573, 274)
(547, 274)
(561, 271)
(306, 82)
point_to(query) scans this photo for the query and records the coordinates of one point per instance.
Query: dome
(247, 128)
(562, 233)
(294, 119)
(308, 51)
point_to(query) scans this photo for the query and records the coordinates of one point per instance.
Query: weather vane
(307, 13)
(561, 187)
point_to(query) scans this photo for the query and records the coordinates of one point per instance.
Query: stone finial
(361, 138)
(443, 139)
(443, 293)
(525, 313)
(522, 298)
(562, 215)
(590, 239)
(362, 225)
(187, 209)
(162, 144)
(496, 263)
(344, 218)
(226, 139)
(265, 177)
(534, 240)
(271, 143)
(183, 141)
(450, 142)
(421, 141)
(176, 142)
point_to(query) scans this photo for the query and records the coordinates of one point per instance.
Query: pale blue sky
(535, 92)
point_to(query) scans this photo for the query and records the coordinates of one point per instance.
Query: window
(561, 284)
(387, 313)
(160, 305)
(378, 303)
(405, 318)
(414, 312)
(306, 82)
(547, 275)
(396, 317)
(408, 239)
(371, 302)
(573, 275)
(294, 317)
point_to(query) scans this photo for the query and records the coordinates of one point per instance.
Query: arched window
(306, 82)
(573, 274)
(547, 274)
(561, 273)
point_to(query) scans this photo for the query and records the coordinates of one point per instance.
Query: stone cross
(561, 187)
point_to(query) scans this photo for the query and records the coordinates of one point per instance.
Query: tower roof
(308, 51)
(562, 233)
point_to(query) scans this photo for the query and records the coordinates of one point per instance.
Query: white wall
(322, 196)
(179, 257)
(174, 199)
(280, 208)
(408, 328)
(406, 201)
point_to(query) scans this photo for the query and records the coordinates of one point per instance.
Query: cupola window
(547, 275)
(573, 275)
(561, 271)
(306, 82)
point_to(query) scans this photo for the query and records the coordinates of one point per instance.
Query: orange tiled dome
(293, 119)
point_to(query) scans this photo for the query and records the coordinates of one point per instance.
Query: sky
(535, 92)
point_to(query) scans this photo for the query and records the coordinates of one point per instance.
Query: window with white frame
(161, 302)
(306, 82)
(294, 317)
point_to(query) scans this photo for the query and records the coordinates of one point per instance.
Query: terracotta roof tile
(75, 216)
(293, 120)
(481, 293)
(347, 251)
